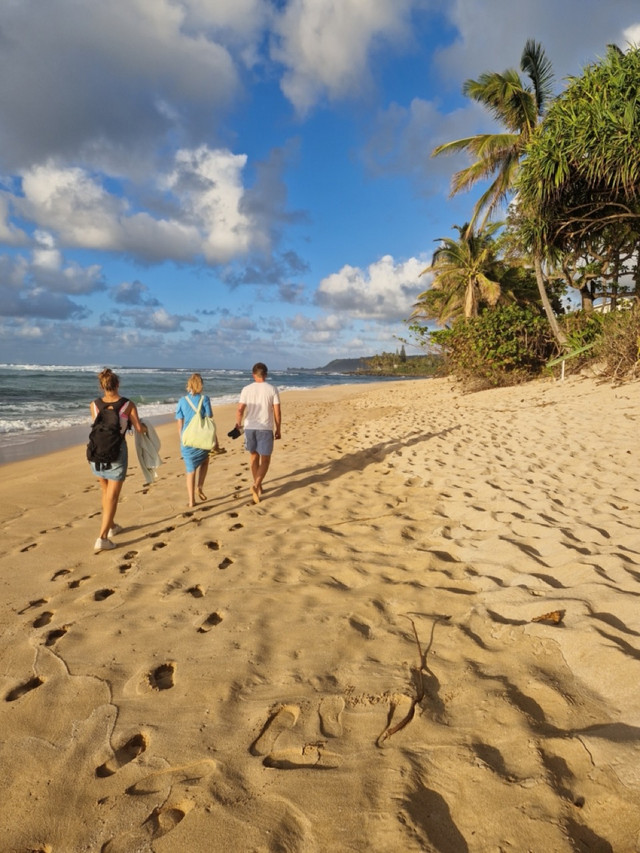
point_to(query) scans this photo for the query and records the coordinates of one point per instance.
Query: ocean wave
(53, 368)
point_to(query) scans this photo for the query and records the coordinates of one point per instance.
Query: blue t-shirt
(185, 412)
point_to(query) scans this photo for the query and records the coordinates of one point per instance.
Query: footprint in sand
(23, 689)
(237, 526)
(310, 755)
(123, 568)
(162, 676)
(60, 573)
(213, 545)
(43, 619)
(160, 532)
(38, 602)
(102, 594)
(162, 820)
(159, 545)
(185, 773)
(225, 563)
(134, 747)
(130, 555)
(54, 636)
(284, 718)
(330, 710)
(196, 591)
(362, 627)
(28, 547)
(210, 622)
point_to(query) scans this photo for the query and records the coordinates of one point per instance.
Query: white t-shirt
(259, 398)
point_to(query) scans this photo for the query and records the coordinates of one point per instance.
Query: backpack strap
(100, 405)
(192, 406)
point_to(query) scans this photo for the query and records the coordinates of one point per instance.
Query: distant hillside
(338, 365)
(375, 365)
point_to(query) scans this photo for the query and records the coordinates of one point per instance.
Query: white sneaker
(114, 531)
(103, 545)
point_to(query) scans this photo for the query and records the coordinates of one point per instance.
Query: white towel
(148, 450)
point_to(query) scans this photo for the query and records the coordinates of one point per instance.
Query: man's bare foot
(255, 493)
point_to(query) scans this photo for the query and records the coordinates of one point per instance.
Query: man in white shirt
(260, 406)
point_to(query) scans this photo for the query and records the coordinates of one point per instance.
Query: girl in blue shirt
(196, 461)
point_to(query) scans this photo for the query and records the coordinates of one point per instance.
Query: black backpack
(106, 437)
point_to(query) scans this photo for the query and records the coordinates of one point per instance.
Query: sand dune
(426, 637)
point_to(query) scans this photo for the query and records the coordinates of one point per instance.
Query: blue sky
(207, 183)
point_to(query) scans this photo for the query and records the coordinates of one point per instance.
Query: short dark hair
(259, 369)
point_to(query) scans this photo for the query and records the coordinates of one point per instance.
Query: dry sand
(354, 664)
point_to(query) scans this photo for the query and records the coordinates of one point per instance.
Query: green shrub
(503, 346)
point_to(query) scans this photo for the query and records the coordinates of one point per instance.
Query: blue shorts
(259, 441)
(118, 469)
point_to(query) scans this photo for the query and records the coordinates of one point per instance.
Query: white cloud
(158, 320)
(47, 271)
(631, 35)
(326, 45)
(492, 34)
(10, 235)
(72, 204)
(108, 81)
(404, 137)
(384, 292)
(209, 186)
(212, 211)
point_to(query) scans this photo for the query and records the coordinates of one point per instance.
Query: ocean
(46, 407)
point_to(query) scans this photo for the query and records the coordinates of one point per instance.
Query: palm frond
(538, 68)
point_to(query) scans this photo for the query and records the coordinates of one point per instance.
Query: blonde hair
(109, 381)
(194, 384)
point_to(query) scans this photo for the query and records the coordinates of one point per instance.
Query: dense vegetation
(571, 168)
(399, 364)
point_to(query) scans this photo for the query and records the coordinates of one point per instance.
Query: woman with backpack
(196, 460)
(112, 415)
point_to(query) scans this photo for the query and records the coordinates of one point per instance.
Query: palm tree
(518, 107)
(466, 274)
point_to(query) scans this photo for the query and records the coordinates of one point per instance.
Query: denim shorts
(118, 469)
(259, 441)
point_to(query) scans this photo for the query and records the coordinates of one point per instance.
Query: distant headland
(386, 364)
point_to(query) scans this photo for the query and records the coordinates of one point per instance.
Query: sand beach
(425, 637)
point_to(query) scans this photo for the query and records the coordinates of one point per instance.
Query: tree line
(567, 170)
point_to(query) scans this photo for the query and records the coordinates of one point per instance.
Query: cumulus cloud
(325, 47)
(157, 320)
(384, 292)
(319, 330)
(403, 138)
(491, 35)
(209, 185)
(273, 269)
(133, 293)
(10, 234)
(109, 83)
(215, 217)
(631, 35)
(38, 302)
(41, 286)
